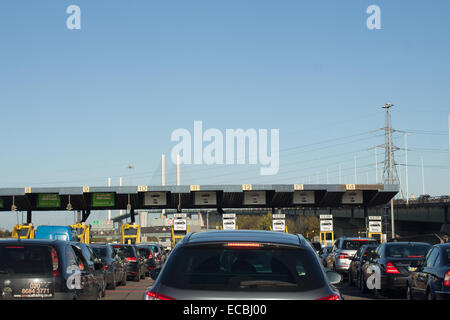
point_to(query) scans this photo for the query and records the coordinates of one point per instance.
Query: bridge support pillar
(85, 215)
(28, 216)
(132, 216)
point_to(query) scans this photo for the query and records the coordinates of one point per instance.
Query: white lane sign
(326, 225)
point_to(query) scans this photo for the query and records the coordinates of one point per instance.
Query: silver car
(243, 264)
(344, 248)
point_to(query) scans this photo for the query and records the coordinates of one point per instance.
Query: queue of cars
(415, 270)
(63, 269)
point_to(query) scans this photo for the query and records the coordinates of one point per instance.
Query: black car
(160, 253)
(114, 266)
(149, 257)
(243, 264)
(357, 261)
(46, 269)
(392, 261)
(92, 259)
(430, 279)
(135, 262)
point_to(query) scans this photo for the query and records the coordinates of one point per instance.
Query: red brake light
(55, 262)
(246, 245)
(14, 247)
(343, 256)
(447, 279)
(331, 297)
(106, 267)
(150, 255)
(149, 295)
(159, 258)
(391, 269)
(131, 259)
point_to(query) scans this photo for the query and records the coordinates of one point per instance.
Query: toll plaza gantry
(278, 196)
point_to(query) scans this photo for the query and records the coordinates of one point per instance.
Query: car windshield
(406, 251)
(356, 244)
(25, 259)
(100, 251)
(124, 251)
(222, 268)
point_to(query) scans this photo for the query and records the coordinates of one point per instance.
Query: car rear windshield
(356, 244)
(406, 251)
(100, 251)
(125, 251)
(144, 251)
(25, 259)
(224, 268)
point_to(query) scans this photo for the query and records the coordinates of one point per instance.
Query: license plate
(412, 269)
(35, 290)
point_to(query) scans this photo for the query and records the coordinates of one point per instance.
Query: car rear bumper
(132, 269)
(394, 282)
(442, 295)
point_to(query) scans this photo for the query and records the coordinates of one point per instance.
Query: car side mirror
(155, 273)
(333, 277)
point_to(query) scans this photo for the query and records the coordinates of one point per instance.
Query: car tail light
(343, 256)
(391, 269)
(149, 295)
(106, 267)
(447, 279)
(150, 255)
(331, 297)
(246, 245)
(55, 262)
(133, 259)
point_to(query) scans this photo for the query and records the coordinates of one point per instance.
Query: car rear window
(223, 268)
(25, 259)
(101, 252)
(144, 251)
(356, 244)
(125, 251)
(406, 251)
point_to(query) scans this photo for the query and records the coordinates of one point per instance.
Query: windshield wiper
(267, 283)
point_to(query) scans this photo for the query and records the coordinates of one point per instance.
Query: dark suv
(243, 264)
(45, 269)
(135, 262)
(115, 267)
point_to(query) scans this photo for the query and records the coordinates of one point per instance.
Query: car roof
(243, 235)
(33, 241)
(411, 243)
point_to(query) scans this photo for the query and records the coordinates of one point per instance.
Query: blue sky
(79, 106)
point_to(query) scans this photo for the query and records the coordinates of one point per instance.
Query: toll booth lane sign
(326, 223)
(206, 198)
(103, 199)
(49, 200)
(155, 198)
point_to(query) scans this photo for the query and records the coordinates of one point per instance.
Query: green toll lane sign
(103, 200)
(49, 200)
